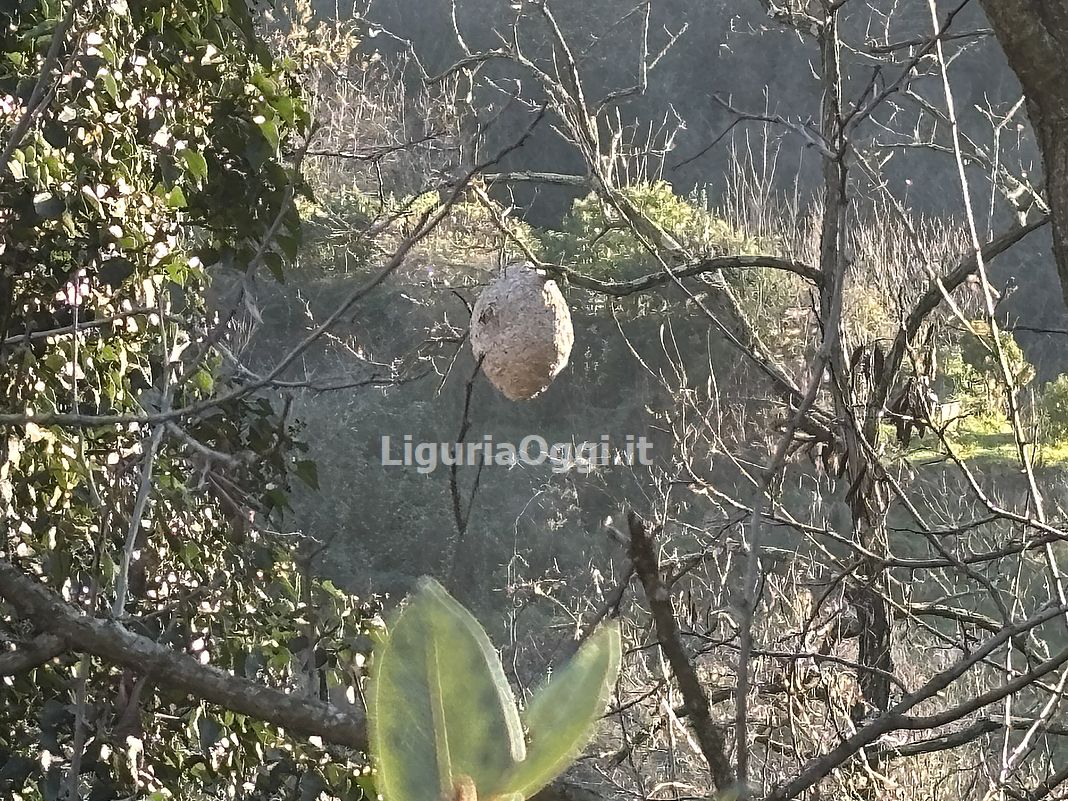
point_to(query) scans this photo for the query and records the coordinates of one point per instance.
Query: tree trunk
(1034, 36)
(867, 592)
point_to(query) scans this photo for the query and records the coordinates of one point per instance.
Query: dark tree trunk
(1034, 36)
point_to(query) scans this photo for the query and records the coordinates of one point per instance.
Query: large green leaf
(562, 717)
(440, 707)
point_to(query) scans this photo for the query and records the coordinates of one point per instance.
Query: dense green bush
(977, 351)
(595, 240)
(154, 161)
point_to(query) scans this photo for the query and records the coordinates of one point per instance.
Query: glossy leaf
(439, 706)
(176, 198)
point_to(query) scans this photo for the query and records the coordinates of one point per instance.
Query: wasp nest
(521, 329)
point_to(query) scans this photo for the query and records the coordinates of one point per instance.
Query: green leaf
(563, 715)
(276, 264)
(176, 198)
(196, 163)
(111, 86)
(439, 706)
(366, 783)
(108, 52)
(269, 129)
(290, 245)
(92, 200)
(114, 272)
(41, 29)
(48, 206)
(286, 107)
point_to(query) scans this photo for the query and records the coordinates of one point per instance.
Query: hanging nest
(521, 329)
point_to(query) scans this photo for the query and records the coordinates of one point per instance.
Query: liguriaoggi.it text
(533, 450)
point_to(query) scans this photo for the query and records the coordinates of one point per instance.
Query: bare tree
(853, 384)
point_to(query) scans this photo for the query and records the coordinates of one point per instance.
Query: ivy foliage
(153, 158)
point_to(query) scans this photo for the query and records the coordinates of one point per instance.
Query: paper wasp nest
(521, 328)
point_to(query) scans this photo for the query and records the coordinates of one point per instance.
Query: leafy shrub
(335, 234)
(470, 235)
(866, 316)
(156, 161)
(1053, 405)
(467, 239)
(974, 376)
(595, 240)
(977, 351)
(964, 383)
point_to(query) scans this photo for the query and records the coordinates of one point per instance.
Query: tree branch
(620, 289)
(116, 644)
(932, 298)
(896, 718)
(35, 653)
(709, 734)
(68, 629)
(961, 737)
(426, 224)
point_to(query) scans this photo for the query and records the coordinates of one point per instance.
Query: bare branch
(895, 718)
(709, 734)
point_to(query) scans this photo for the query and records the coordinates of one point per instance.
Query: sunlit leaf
(440, 707)
(562, 717)
(196, 163)
(176, 198)
(269, 129)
